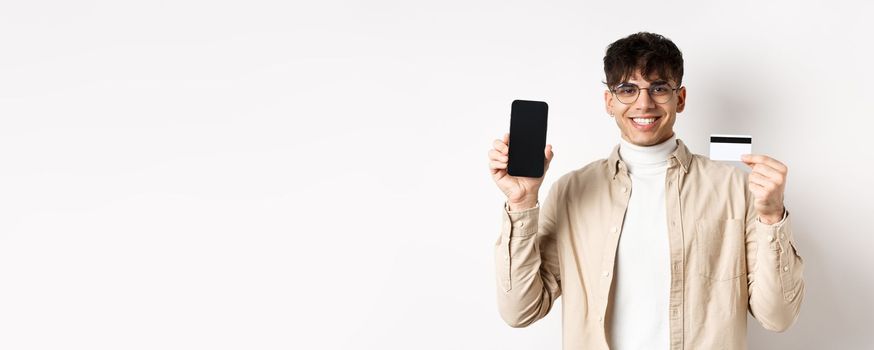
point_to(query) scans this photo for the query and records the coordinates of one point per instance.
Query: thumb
(549, 154)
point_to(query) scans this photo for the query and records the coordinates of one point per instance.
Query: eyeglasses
(628, 93)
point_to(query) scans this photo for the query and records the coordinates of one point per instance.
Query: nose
(644, 101)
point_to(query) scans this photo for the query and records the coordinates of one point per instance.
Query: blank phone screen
(527, 138)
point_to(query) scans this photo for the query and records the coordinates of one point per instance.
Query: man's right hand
(521, 191)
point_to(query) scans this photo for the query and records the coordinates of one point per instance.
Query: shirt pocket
(720, 247)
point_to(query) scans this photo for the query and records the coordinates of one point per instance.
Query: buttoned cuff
(522, 222)
(778, 249)
(774, 234)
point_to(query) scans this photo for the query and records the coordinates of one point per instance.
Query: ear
(608, 102)
(681, 99)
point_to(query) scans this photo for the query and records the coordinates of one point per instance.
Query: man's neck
(646, 157)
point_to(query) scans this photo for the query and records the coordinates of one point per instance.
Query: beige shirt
(723, 260)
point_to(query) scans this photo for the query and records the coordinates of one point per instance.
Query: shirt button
(605, 273)
(624, 189)
(785, 268)
(782, 236)
(613, 229)
(601, 319)
(770, 238)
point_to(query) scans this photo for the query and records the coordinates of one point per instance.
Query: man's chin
(643, 140)
(646, 138)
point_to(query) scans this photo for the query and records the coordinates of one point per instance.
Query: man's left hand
(767, 181)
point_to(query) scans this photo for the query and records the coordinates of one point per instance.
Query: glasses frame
(673, 93)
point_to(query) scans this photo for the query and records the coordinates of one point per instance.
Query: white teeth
(644, 121)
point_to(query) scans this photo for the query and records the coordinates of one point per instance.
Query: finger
(506, 138)
(756, 178)
(497, 156)
(500, 146)
(758, 191)
(549, 155)
(769, 172)
(763, 159)
(753, 158)
(498, 174)
(497, 165)
(762, 181)
(776, 164)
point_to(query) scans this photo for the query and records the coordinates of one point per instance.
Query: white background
(313, 175)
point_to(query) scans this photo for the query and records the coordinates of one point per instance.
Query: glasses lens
(626, 93)
(661, 93)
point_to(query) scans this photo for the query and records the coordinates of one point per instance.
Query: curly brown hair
(656, 56)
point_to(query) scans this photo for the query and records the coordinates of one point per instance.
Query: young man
(653, 247)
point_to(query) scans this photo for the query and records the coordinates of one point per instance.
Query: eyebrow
(654, 82)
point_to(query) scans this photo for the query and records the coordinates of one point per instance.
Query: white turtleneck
(642, 281)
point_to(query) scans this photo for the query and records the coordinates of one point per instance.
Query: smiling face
(645, 122)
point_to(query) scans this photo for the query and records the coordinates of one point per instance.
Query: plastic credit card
(730, 147)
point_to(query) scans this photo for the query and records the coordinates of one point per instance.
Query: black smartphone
(527, 138)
